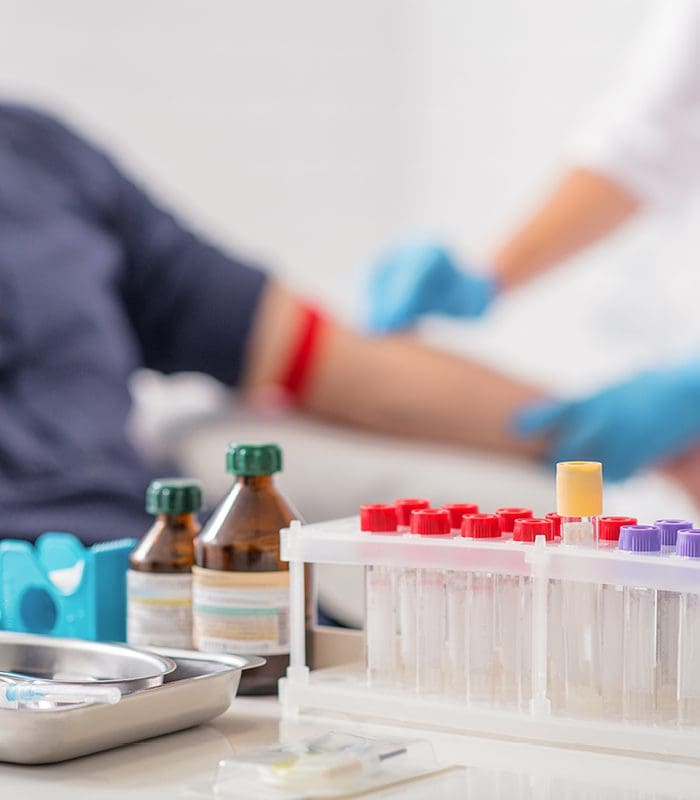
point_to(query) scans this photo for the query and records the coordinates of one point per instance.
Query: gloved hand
(419, 278)
(647, 419)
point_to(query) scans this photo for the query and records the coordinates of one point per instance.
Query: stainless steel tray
(79, 661)
(200, 688)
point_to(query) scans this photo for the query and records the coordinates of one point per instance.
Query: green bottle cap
(173, 496)
(253, 459)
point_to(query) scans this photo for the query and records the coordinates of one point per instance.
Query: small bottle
(481, 662)
(508, 516)
(240, 586)
(611, 622)
(430, 607)
(669, 612)
(579, 503)
(456, 586)
(688, 546)
(159, 579)
(639, 630)
(406, 590)
(514, 611)
(380, 618)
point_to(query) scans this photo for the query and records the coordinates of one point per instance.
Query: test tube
(406, 590)
(480, 666)
(456, 592)
(579, 503)
(457, 512)
(555, 519)
(639, 630)
(688, 546)
(431, 607)
(611, 610)
(555, 633)
(514, 603)
(669, 529)
(668, 616)
(508, 516)
(380, 623)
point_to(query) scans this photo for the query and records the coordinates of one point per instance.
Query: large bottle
(159, 580)
(240, 587)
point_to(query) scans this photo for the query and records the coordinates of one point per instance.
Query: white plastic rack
(558, 644)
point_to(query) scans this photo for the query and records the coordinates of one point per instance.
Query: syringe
(16, 693)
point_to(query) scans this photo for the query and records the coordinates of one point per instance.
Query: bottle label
(241, 612)
(159, 609)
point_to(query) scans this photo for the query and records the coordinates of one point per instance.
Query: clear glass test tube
(611, 622)
(668, 621)
(555, 632)
(380, 612)
(579, 503)
(639, 630)
(456, 600)
(688, 682)
(583, 696)
(515, 630)
(513, 618)
(431, 607)
(406, 594)
(481, 662)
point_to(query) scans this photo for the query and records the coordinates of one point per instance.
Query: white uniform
(646, 134)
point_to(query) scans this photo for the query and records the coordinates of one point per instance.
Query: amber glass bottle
(159, 580)
(240, 586)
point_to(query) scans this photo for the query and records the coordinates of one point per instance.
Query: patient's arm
(394, 385)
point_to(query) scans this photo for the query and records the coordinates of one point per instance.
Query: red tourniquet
(303, 355)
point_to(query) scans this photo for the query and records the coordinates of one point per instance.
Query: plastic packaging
(331, 765)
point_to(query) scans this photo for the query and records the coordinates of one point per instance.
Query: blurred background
(311, 135)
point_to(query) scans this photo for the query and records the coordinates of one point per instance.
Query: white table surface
(174, 766)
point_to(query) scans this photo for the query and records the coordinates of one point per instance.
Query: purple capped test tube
(639, 629)
(669, 532)
(668, 604)
(688, 546)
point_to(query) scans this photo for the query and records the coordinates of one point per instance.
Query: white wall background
(311, 133)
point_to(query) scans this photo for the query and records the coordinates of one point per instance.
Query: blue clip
(61, 588)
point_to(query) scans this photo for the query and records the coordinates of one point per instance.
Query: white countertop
(176, 765)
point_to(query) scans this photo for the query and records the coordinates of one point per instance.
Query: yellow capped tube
(579, 488)
(579, 499)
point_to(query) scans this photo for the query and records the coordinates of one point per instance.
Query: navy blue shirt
(95, 281)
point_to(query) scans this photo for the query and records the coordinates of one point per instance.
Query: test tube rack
(528, 691)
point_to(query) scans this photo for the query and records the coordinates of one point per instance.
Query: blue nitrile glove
(647, 419)
(419, 278)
